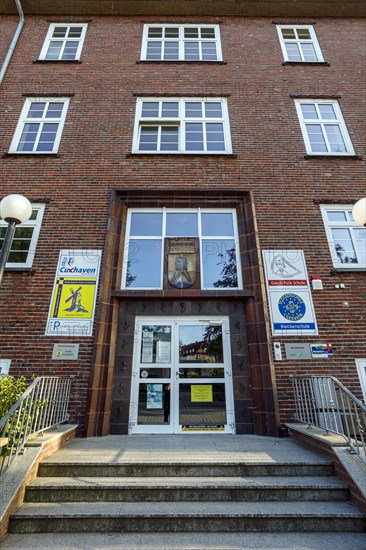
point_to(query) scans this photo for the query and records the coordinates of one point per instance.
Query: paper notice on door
(147, 347)
(162, 352)
(154, 396)
(201, 394)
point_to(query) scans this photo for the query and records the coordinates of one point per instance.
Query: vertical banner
(289, 296)
(74, 293)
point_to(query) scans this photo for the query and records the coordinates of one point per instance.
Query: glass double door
(181, 379)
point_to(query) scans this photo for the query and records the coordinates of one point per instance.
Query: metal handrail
(42, 406)
(324, 402)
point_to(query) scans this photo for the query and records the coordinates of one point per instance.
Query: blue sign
(292, 307)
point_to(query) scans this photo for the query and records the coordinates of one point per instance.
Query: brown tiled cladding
(94, 158)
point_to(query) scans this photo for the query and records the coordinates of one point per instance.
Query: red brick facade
(268, 164)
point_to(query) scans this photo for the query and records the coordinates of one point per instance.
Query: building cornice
(196, 8)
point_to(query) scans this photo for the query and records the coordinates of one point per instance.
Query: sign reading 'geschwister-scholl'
(74, 293)
(289, 296)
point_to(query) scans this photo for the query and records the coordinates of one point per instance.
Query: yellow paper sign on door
(201, 394)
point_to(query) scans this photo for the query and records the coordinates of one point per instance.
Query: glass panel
(70, 50)
(219, 264)
(293, 52)
(17, 257)
(209, 51)
(336, 216)
(215, 137)
(155, 32)
(170, 109)
(208, 32)
(335, 138)
(154, 404)
(309, 111)
(144, 264)
(60, 32)
(171, 51)
(34, 214)
(146, 224)
(200, 344)
(154, 373)
(75, 32)
(169, 138)
(304, 34)
(150, 109)
(343, 246)
(54, 50)
(149, 138)
(190, 32)
(316, 138)
(327, 112)
(193, 109)
(28, 137)
(213, 110)
(201, 373)
(181, 224)
(215, 224)
(202, 406)
(288, 33)
(194, 137)
(54, 110)
(153, 50)
(360, 236)
(24, 233)
(309, 53)
(36, 110)
(156, 344)
(191, 51)
(47, 137)
(171, 32)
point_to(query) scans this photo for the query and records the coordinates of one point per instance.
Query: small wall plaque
(65, 352)
(297, 351)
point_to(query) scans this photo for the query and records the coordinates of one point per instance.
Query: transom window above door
(181, 43)
(169, 248)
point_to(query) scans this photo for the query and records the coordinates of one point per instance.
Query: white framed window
(63, 42)
(4, 366)
(361, 369)
(323, 128)
(23, 246)
(347, 239)
(40, 125)
(146, 238)
(181, 43)
(186, 125)
(299, 43)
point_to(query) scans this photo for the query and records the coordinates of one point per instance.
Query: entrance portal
(182, 379)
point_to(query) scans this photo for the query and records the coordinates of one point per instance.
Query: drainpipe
(14, 41)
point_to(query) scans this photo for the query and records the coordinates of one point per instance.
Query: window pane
(70, 50)
(47, 137)
(215, 224)
(215, 137)
(17, 257)
(148, 138)
(36, 109)
(190, 32)
(170, 109)
(169, 138)
(288, 33)
(200, 344)
(193, 109)
(171, 51)
(316, 138)
(309, 111)
(144, 264)
(146, 224)
(208, 33)
(308, 51)
(28, 137)
(60, 32)
(154, 404)
(153, 50)
(213, 110)
(150, 109)
(209, 51)
(335, 138)
(343, 246)
(155, 32)
(303, 34)
(181, 224)
(219, 264)
(191, 51)
(54, 50)
(156, 344)
(210, 414)
(293, 52)
(171, 32)
(327, 112)
(54, 110)
(75, 32)
(194, 137)
(336, 216)
(360, 237)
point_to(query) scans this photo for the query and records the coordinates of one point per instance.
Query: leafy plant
(11, 389)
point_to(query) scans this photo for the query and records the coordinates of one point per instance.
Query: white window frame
(197, 211)
(346, 224)
(4, 366)
(313, 40)
(49, 38)
(23, 120)
(322, 122)
(36, 224)
(180, 122)
(361, 370)
(181, 40)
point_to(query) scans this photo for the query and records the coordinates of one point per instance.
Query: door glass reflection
(156, 344)
(200, 344)
(154, 404)
(202, 406)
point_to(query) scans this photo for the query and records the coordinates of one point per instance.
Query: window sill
(350, 268)
(349, 157)
(67, 61)
(42, 155)
(137, 154)
(324, 63)
(180, 61)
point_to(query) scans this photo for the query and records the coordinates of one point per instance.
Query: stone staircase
(187, 496)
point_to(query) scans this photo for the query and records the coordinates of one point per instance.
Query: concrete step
(184, 469)
(192, 517)
(174, 489)
(185, 541)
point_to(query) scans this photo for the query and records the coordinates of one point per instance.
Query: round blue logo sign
(292, 307)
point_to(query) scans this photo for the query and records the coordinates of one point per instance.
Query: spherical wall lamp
(359, 212)
(14, 209)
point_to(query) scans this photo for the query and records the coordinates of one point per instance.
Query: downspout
(14, 41)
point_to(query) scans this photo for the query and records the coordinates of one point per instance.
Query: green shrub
(11, 389)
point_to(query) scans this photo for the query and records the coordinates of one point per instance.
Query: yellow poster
(201, 394)
(73, 298)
